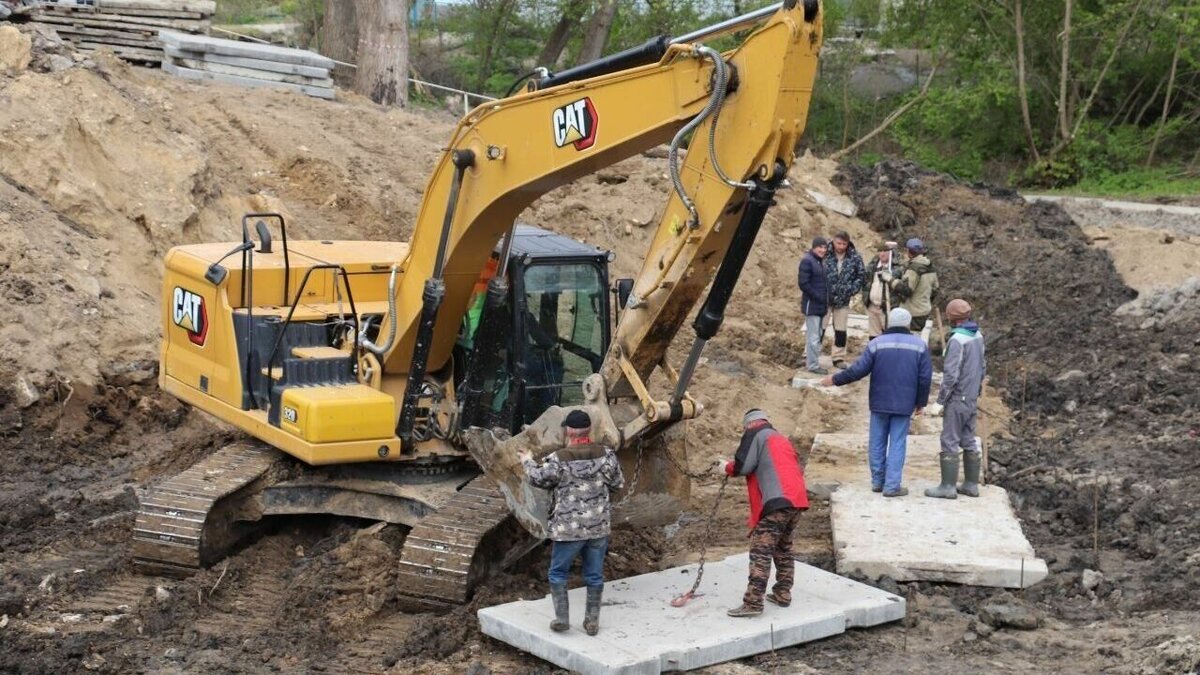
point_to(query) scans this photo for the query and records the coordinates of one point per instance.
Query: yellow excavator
(398, 382)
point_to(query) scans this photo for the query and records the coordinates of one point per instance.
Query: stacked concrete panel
(247, 64)
(127, 27)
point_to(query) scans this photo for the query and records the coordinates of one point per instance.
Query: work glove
(934, 409)
(886, 276)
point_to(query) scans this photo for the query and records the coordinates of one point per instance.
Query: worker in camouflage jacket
(582, 476)
(775, 486)
(844, 273)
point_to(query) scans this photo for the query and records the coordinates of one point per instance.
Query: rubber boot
(591, 615)
(562, 616)
(949, 478)
(970, 484)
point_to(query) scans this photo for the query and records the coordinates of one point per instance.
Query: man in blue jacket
(814, 302)
(901, 373)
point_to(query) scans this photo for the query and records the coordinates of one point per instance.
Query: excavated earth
(104, 167)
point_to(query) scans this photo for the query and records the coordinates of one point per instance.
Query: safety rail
(292, 310)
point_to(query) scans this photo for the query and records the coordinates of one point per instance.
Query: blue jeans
(813, 329)
(563, 553)
(886, 449)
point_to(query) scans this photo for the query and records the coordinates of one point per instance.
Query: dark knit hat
(819, 241)
(577, 419)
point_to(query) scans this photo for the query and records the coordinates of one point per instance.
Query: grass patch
(1136, 184)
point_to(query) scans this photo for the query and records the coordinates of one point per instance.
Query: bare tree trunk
(1087, 105)
(895, 115)
(598, 29)
(1137, 121)
(382, 51)
(339, 38)
(1021, 89)
(1166, 101)
(1063, 127)
(561, 35)
(489, 48)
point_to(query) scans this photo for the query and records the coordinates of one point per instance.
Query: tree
(382, 51)
(339, 35)
(568, 21)
(598, 29)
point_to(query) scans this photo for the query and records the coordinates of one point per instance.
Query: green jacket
(917, 287)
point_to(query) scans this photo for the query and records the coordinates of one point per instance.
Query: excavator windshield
(564, 332)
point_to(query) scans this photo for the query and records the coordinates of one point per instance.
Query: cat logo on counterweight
(189, 314)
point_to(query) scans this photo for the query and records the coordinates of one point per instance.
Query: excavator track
(448, 551)
(191, 519)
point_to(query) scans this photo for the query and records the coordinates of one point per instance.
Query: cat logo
(290, 414)
(576, 123)
(190, 315)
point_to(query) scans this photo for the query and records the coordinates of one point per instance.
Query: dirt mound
(1104, 438)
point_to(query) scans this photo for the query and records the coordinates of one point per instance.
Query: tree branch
(895, 115)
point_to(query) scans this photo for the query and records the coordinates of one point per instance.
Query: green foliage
(245, 11)
(1140, 183)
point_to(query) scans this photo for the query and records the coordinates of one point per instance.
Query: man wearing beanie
(962, 382)
(775, 483)
(844, 271)
(814, 302)
(901, 373)
(582, 475)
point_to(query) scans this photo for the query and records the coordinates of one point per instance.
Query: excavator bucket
(656, 488)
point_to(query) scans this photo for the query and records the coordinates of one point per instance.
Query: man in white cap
(901, 373)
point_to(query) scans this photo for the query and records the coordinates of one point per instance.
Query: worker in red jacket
(775, 483)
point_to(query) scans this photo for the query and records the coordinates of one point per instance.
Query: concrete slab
(254, 83)
(915, 538)
(641, 633)
(247, 50)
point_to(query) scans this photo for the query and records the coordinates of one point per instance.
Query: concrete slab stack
(128, 27)
(247, 64)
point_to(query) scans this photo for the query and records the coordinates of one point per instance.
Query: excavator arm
(744, 112)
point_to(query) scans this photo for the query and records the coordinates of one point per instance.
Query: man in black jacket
(814, 302)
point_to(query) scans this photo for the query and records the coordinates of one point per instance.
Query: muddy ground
(104, 166)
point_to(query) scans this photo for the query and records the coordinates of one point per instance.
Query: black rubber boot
(562, 616)
(970, 484)
(949, 478)
(591, 615)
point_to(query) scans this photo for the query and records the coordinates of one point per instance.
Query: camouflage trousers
(771, 540)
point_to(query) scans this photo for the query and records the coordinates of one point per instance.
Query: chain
(637, 472)
(712, 517)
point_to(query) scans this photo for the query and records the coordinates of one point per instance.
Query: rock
(1011, 615)
(836, 204)
(15, 50)
(1091, 579)
(161, 594)
(983, 629)
(71, 618)
(57, 62)
(1071, 375)
(4, 621)
(1166, 238)
(478, 668)
(792, 233)
(25, 393)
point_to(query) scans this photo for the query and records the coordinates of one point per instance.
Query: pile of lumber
(127, 27)
(248, 64)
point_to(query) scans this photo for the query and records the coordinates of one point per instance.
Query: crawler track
(448, 551)
(191, 519)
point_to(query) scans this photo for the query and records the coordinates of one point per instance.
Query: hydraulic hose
(715, 100)
(380, 350)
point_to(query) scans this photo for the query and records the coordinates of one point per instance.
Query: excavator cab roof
(535, 243)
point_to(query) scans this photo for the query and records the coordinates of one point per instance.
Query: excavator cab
(554, 328)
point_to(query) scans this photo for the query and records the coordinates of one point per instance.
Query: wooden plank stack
(248, 64)
(127, 27)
